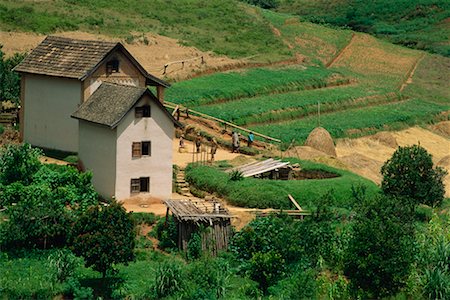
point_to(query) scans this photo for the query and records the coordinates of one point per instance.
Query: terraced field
(369, 85)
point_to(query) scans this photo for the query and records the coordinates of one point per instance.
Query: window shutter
(138, 112)
(136, 149)
(135, 185)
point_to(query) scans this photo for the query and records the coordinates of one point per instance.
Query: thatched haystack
(444, 162)
(442, 128)
(385, 138)
(321, 140)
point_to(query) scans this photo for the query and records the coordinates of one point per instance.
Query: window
(139, 149)
(112, 66)
(140, 185)
(142, 112)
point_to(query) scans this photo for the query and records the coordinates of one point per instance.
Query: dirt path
(339, 55)
(409, 80)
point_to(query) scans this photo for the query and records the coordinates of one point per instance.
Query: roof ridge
(63, 38)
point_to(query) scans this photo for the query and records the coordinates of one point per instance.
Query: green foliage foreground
(260, 193)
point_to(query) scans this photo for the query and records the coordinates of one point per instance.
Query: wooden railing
(194, 112)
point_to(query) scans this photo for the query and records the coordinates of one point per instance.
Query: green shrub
(104, 236)
(140, 218)
(266, 268)
(381, 251)
(410, 173)
(63, 262)
(18, 163)
(169, 279)
(194, 246)
(236, 176)
(167, 233)
(299, 285)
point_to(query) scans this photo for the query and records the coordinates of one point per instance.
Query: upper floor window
(142, 111)
(112, 66)
(139, 149)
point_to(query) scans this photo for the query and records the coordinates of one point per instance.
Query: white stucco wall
(48, 104)
(158, 129)
(97, 153)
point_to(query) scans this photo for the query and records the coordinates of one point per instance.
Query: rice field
(358, 121)
(278, 107)
(228, 86)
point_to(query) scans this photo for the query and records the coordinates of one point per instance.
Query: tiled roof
(65, 57)
(71, 58)
(111, 102)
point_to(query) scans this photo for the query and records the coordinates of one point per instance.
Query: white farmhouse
(62, 73)
(125, 138)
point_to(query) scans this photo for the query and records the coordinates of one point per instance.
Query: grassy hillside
(225, 27)
(363, 85)
(420, 24)
(345, 71)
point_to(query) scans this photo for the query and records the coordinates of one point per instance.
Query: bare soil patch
(366, 155)
(159, 51)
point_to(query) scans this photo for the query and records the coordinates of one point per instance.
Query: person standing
(238, 143)
(250, 139)
(234, 141)
(198, 142)
(213, 148)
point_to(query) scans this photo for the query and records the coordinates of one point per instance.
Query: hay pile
(386, 139)
(321, 140)
(442, 128)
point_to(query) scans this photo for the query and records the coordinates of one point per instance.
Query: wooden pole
(172, 105)
(318, 111)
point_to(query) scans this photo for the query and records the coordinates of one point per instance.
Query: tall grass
(232, 85)
(358, 121)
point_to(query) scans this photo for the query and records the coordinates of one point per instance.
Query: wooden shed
(208, 217)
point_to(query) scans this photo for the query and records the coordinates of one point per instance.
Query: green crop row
(390, 116)
(261, 193)
(233, 85)
(277, 107)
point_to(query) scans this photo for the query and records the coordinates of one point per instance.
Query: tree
(19, 163)
(104, 236)
(410, 173)
(9, 80)
(381, 250)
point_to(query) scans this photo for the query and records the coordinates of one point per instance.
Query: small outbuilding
(207, 217)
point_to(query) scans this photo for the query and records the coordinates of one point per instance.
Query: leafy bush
(104, 236)
(381, 250)
(410, 173)
(166, 231)
(9, 80)
(267, 4)
(18, 163)
(194, 246)
(38, 220)
(299, 285)
(266, 268)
